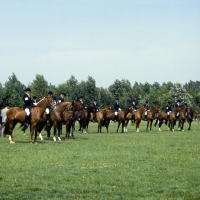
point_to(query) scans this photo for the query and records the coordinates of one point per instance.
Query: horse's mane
(41, 100)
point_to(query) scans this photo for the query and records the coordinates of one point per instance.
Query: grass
(145, 165)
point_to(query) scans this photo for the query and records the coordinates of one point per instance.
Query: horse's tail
(6, 128)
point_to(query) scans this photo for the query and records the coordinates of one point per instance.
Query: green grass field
(145, 165)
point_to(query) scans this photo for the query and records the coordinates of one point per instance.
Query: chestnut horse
(150, 117)
(138, 117)
(17, 115)
(100, 118)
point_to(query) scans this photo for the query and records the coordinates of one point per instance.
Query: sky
(136, 40)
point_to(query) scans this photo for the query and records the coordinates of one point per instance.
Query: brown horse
(138, 117)
(190, 116)
(162, 117)
(17, 115)
(56, 118)
(85, 118)
(69, 117)
(100, 118)
(182, 118)
(173, 118)
(150, 117)
(122, 117)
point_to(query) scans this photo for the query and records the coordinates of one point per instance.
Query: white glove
(119, 109)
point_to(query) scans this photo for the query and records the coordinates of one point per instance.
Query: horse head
(47, 101)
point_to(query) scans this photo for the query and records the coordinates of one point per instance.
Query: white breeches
(47, 111)
(116, 112)
(27, 111)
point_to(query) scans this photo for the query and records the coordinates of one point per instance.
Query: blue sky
(139, 40)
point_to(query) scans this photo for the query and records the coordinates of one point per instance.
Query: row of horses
(69, 112)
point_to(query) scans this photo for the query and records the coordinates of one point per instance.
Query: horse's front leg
(59, 127)
(118, 126)
(10, 131)
(32, 128)
(151, 122)
(147, 125)
(54, 131)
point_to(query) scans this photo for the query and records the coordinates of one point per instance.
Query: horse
(85, 118)
(56, 118)
(172, 118)
(182, 118)
(100, 118)
(160, 119)
(138, 115)
(190, 115)
(150, 117)
(69, 117)
(122, 117)
(17, 115)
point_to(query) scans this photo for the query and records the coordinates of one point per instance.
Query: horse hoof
(59, 138)
(12, 142)
(54, 138)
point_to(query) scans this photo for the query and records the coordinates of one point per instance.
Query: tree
(13, 89)
(178, 92)
(39, 87)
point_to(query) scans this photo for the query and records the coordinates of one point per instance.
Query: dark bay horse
(173, 118)
(56, 119)
(85, 118)
(182, 117)
(17, 115)
(150, 117)
(122, 117)
(69, 117)
(138, 117)
(190, 116)
(100, 118)
(160, 119)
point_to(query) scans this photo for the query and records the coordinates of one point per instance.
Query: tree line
(158, 95)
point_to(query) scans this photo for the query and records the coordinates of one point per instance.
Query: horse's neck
(60, 107)
(127, 110)
(154, 111)
(42, 103)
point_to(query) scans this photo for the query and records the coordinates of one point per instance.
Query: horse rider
(80, 99)
(3, 118)
(146, 105)
(168, 109)
(95, 105)
(47, 111)
(61, 98)
(133, 105)
(116, 109)
(28, 102)
(178, 105)
(34, 101)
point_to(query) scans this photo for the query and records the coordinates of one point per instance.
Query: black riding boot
(48, 119)
(25, 123)
(145, 117)
(115, 119)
